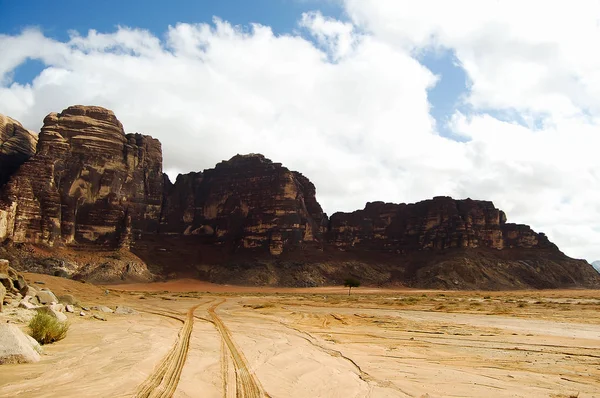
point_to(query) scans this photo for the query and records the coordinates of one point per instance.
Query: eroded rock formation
(92, 192)
(88, 183)
(439, 223)
(247, 202)
(16, 146)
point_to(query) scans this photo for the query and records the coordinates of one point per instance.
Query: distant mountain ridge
(89, 187)
(596, 265)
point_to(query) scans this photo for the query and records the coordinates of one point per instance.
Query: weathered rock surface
(92, 192)
(15, 346)
(436, 224)
(88, 184)
(247, 202)
(17, 145)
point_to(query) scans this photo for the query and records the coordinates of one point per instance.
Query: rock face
(247, 202)
(436, 224)
(17, 145)
(91, 192)
(88, 184)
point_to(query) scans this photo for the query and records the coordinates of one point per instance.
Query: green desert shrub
(46, 329)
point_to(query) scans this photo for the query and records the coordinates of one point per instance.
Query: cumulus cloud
(346, 103)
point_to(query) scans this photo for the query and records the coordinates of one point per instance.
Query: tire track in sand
(247, 386)
(163, 381)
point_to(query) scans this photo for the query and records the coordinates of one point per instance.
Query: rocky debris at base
(98, 317)
(122, 310)
(16, 346)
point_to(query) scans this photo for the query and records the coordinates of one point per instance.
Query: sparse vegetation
(350, 283)
(46, 329)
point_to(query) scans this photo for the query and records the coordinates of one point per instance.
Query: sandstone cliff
(247, 202)
(88, 183)
(436, 224)
(91, 192)
(16, 146)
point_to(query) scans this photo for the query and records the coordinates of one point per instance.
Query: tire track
(163, 381)
(247, 386)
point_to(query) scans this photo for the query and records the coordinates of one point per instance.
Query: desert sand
(194, 339)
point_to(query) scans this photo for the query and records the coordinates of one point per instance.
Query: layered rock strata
(436, 224)
(88, 184)
(248, 202)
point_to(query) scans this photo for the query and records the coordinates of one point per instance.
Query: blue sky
(56, 19)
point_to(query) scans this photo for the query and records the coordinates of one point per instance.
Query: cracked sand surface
(294, 344)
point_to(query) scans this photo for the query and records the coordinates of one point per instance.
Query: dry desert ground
(193, 339)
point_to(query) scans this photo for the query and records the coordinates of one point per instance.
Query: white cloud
(349, 108)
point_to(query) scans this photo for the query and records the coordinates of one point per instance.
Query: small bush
(46, 329)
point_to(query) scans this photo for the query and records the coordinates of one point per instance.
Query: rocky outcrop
(436, 224)
(91, 192)
(247, 202)
(89, 184)
(17, 145)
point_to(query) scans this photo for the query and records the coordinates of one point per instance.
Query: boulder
(69, 308)
(103, 308)
(15, 346)
(67, 299)
(45, 296)
(29, 291)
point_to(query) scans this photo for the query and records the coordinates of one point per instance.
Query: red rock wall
(439, 223)
(88, 184)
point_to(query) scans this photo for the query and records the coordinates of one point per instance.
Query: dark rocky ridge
(91, 192)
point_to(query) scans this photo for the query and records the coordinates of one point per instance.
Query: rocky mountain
(93, 203)
(89, 185)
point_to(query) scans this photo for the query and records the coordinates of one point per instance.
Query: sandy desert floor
(193, 339)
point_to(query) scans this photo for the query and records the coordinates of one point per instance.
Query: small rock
(69, 308)
(40, 282)
(106, 292)
(82, 313)
(122, 310)
(103, 308)
(57, 307)
(98, 317)
(85, 308)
